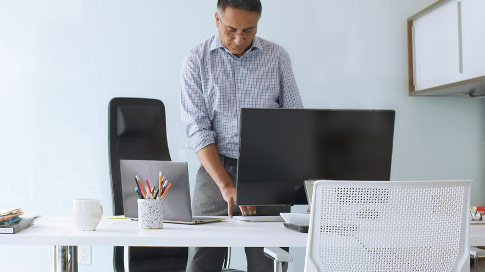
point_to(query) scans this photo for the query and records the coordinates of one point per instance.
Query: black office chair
(137, 131)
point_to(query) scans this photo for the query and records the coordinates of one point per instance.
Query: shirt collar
(256, 43)
(217, 43)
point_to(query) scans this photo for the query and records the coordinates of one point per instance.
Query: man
(229, 71)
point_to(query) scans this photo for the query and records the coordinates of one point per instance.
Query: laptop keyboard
(198, 219)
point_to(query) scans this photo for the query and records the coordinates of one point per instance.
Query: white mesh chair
(389, 226)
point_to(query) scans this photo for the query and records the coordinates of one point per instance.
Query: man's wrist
(225, 185)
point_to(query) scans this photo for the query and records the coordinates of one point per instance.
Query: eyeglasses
(231, 32)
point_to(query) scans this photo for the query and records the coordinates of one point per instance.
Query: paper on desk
(296, 218)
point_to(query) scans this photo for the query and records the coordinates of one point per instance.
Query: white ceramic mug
(87, 213)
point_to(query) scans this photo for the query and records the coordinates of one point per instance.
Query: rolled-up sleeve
(289, 94)
(194, 111)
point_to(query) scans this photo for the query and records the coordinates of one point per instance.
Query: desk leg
(63, 258)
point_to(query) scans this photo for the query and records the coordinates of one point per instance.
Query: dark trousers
(203, 259)
(208, 201)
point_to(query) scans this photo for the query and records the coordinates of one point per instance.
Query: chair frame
(462, 262)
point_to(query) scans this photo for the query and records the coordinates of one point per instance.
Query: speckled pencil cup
(150, 213)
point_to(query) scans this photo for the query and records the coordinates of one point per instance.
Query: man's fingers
(244, 210)
(252, 210)
(229, 209)
(248, 210)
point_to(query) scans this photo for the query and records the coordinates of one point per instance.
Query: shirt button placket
(238, 69)
(238, 88)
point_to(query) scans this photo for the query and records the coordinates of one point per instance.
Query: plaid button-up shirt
(215, 85)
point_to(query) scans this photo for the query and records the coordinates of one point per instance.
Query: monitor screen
(281, 148)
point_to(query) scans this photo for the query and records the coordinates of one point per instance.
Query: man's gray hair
(249, 5)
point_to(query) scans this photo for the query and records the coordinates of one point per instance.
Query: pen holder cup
(150, 213)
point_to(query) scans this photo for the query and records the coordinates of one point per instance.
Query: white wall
(62, 61)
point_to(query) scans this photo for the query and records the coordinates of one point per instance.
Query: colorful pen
(165, 192)
(136, 183)
(165, 184)
(139, 193)
(142, 189)
(159, 184)
(149, 190)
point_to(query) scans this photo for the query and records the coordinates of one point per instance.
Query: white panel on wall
(436, 40)
(473, 38)
(62, 61)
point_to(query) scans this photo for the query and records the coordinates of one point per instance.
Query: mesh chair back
(389, 226)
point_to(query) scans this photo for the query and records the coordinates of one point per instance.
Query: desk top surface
(125, 232)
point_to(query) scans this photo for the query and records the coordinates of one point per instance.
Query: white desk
(60, 233)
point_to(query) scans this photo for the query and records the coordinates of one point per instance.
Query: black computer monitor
(280, 148)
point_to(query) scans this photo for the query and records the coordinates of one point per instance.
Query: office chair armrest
(477, 258)
(475, 251)
(278, 255)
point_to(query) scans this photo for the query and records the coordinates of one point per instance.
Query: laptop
(309, 191)
(177, 206)
(300, 221)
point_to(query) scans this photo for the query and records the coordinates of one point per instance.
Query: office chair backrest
(389, 226)
(137, 131)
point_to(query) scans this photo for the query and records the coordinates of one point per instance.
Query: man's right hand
(209, 158)
(229, 195)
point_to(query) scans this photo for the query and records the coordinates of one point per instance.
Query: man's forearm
(209, 157)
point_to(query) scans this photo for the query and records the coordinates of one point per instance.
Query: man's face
(237, 28)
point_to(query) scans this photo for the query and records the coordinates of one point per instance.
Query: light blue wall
(61, 62)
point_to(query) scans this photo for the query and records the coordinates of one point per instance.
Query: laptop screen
(176, 205)
(309, 191)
